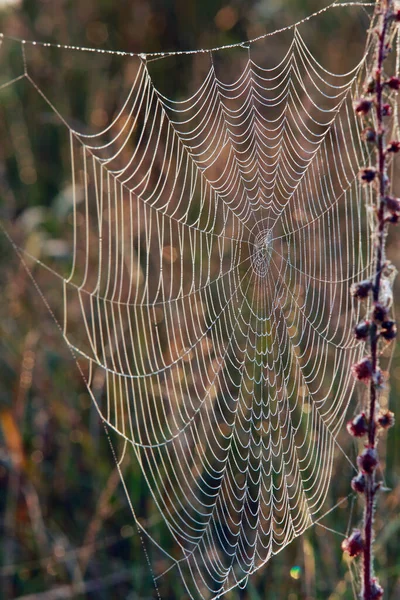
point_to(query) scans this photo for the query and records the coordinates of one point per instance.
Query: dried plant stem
(377, 326)
(371, 485)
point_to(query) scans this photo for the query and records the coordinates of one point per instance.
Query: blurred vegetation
(66, 529)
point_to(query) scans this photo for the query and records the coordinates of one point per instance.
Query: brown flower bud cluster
(379, 322)
(392, 206)
(354, 544)
(376, 590)
(366, 106)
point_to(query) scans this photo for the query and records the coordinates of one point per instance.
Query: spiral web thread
(213, 244)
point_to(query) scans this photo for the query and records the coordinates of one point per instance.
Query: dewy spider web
(213, 242)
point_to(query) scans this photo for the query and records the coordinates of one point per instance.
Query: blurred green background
(66, 529)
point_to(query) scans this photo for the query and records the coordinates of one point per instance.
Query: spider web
(213, 241)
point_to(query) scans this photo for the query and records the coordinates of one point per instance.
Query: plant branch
(371, 486)
(377, 326)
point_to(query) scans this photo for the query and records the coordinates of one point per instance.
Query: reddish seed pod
(393, 218)
(358, 426)
(363, 106)
(363, 369)
(368, 174)
(387, 110)
(369, 135)
(393, 83)
(361, 289)
(376, 590)
(367, 461)
(354, 544)
(358, 483)
(385, 419)
(393, 146)
(370, 86)
(392, 204)
(361, 330)
(388, 330)
(379, 312)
